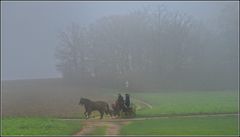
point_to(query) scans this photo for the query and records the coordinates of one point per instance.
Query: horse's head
(83, 101)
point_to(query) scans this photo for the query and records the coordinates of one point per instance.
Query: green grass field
(188, 102)
(219, 125)
(183, 103)
(52, 98)
(38, 126)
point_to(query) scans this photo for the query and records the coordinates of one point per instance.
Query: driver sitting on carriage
(121, 105)
(127, 100)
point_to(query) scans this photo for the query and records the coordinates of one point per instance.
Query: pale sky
(30, 29)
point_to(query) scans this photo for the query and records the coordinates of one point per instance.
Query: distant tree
(71, 53)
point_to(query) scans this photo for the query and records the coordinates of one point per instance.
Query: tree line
(150, 48)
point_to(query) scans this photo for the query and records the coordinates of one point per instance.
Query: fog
(150, 45)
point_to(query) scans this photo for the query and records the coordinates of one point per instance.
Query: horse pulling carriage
(121, 108)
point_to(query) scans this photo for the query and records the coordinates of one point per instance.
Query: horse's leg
(118, 114)
(107, 112)
(85, 114)
(89, 113)
(110, 113)
(114, 114)
(101, 113)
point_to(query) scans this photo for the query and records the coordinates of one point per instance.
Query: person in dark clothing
(127, 100)
(120, 98)
(120, 101)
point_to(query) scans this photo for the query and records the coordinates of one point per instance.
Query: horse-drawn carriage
(121, 108)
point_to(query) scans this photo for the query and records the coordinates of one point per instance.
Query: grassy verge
(226, 125)
(186, 102)
(38, 126)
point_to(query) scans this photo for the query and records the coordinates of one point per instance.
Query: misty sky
(30, 29)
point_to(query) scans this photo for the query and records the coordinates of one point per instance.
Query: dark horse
(100, 106)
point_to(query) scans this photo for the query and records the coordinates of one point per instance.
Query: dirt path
(112, 128)
(88, 128)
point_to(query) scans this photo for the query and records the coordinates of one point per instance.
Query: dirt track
(112, 128)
